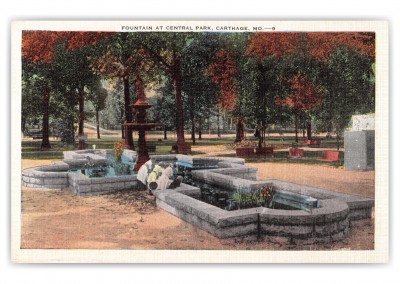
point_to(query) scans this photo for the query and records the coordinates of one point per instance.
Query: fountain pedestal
(141, 126)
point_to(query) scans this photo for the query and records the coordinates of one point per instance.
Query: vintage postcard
(200, 142)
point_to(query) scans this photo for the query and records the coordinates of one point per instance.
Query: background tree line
(308, 81)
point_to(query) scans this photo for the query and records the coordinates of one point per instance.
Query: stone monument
(359, 143)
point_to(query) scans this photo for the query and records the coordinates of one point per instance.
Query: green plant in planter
(118, 150)
(249, 198)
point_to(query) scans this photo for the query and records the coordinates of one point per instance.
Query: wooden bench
(35, 133)
(329, 156)
(255, 152)
(264, 151)
(82, 141)
(244, 152)
(296, 153)
(151, 148)
(312, 142)
(187, 150)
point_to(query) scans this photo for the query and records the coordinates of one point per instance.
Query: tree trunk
(23, 124)
(128, 113)
(209, 126)
(218, 130)
(122, 131)
(239, 130)
(337, 139)
(45, 127)
(97, 124)
(193, 134)
(81, 93)
(177, 78)
(165, 133)
(70, 137)
(200, 128)
(309, 134)
(296, 126)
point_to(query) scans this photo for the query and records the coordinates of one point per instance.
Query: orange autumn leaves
(39, 45)
(317, 44)
(276, 44)
(304, 95)
(222, 73)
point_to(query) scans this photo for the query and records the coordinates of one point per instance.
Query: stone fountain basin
(328, 223)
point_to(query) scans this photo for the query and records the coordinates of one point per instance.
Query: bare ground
(130, 220)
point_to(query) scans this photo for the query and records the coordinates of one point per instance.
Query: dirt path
(357, 183)
(126, 220)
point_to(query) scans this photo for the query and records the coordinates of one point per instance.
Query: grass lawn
(31, 148)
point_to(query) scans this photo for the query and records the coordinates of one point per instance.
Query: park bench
(35, 133)
(151, 148)
(312, 142)
(267, 151)
(82, 141)
(244, 152)
(296, 153)
(188, 148)
(329, 156)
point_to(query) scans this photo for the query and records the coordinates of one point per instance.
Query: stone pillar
(359, 144)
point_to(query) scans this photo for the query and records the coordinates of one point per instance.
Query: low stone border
(52, 176)
(56, 176)
(360, 207)
(326, 224)
(77, 159)
(82, 185)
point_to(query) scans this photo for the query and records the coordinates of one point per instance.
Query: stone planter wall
(52, 176)
(82, 185)
(323, 225)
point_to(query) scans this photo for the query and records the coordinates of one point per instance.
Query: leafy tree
(113, 113)
(164, 109)
(236, 44)
(262, 87)
(199, 91)
(125, 58)
(313, 50)
(167, 50)
(40, 48)
(76, 76)
(98, 97)
(31, 100)
(304, 96)
(37, 53)
(350, 89)
(223, 73)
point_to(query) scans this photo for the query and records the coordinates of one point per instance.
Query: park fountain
(141, 125)
(224, 198)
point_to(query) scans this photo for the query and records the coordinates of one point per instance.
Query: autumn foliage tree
(317, 44)
(37, 53)
(124, 58)
(303, 51)
(304, 96)
(167, 49)
(200, 94)
(39, 49)
(223, 73)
